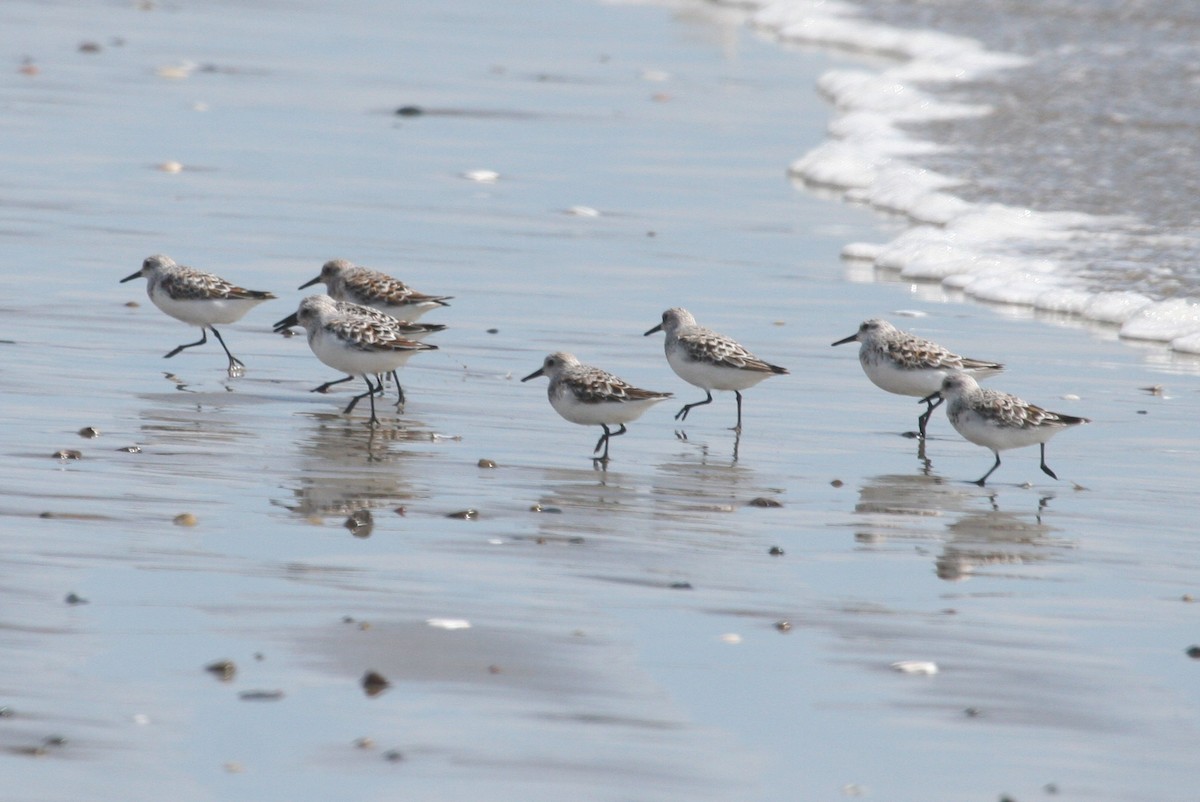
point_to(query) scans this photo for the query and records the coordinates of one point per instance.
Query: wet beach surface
(631, 635)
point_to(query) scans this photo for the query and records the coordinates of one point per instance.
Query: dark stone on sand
(464, 515)
(67, 453)
(393, 756)
(764, 502)
(360, 523)
(409, 111)
(75, 599)
(89, 432)
(783, 626)
(224, 670)
(775, 551)
(1194, 652)
(486, 463)
(131, 449)
(374, 683)
(680, 586)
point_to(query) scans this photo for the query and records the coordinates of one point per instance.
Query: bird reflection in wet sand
(996, 538)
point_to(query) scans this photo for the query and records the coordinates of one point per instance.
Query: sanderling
(198, 298)
(593, 397)
(906, 364)
(407, 330)
(346, 282)
(709, 360)
(353, 343)
(999, 421)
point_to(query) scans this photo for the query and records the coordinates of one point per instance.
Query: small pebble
(260, 696)
(7, 712)
(89, 47)
(360, 523)
(1187, 597)
(915, 667)
(680, 586)
(224, 670)
(89, 432)
(75, 599)
(464, 515)
(132, 304)
(487, 463)
(493, 331)
(775, 551)
(184, 519)
(583, 211)
(67, 453)
(54, 740)
(170, 167)
(364, 742)
(1194, 652)
(393, 756)
(409, 111)
(731, 638)
(494, 669)
(401, 511)
(973, 712)
(540, 508)
(131, 449)
(783, 626)
(764, 502)
(837, 483)
(374, 683)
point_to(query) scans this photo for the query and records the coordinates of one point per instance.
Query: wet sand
(627, 640)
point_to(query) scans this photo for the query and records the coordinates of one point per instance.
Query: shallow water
(625, 640)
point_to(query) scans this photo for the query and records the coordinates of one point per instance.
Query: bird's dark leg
(923, 421)
(235, 364)
(371, 391)
(683, 413)
(738, 428)
(203, 339)
(603, 441)
(983, 478)
(1045, 467)
(324, 388)
(399, 391)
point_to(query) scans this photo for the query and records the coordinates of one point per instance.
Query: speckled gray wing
(918, 353)
(382, 288)
(716, 349)
(370, 334)
(188, 284)
(1011, 412)
(595, 386)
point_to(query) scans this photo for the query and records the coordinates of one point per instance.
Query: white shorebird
(357, 344)
(199, 298)
(593, 397)
(346, 282)
(999, 421)
(906, 364)
(709, 360)
(410, 331)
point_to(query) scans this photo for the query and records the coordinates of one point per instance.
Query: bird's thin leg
(371, 390)
(235, 364)
(683, 413)
(983, 478)
(203, 339)
(1045, 467)
(923, 421)
(399, 391)
(324, 388)
(738, 428)
(603, 441)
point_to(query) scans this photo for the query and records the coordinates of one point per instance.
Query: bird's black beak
(656, 328)
(287, 322)
(307, 284)
(845, 340)
(535, 374)
(131, 277)
(929, 399)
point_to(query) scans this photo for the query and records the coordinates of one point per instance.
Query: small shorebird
(999, 421)
(593, 397)
(709, 360)
(198, 298)
(906, 364)
(357, 344)
(346, 282)
(410, 331)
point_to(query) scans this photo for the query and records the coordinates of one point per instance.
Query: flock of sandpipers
(367, 326)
